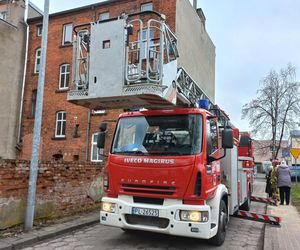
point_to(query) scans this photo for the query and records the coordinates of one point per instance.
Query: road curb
(33, 237)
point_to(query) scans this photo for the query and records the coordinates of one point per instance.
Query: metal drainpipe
(88, 137)
(24, 73)
(195, 4)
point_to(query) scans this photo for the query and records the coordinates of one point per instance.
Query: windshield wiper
(137, 152)
(165, 153)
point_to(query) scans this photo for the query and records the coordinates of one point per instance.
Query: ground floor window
(95, 156)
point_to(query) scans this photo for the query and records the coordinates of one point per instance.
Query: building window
(60, 129)
(104, 16)
(3, 15)
(33, 104)
(67, 35)
(147, 7)
(64, 76)
(39, 30)
(37, 61)
(95, 157)
(143, 51)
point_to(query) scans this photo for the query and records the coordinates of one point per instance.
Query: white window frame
(3, 15)
(93, 146)
(39, 31)
(143, 49)
(59, 124)
(147, 6)
(63, 76)
(65, 26)
(37, 64)
(104, 16)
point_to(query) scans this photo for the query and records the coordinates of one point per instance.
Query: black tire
(219, 238)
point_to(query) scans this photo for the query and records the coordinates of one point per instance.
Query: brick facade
(74, 146)
(62, 188)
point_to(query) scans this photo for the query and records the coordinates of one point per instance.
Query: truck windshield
(158, 135)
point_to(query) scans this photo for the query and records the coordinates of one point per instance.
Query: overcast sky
(251, 37)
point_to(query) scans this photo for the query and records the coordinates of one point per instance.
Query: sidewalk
(48, 232)
(287, 236)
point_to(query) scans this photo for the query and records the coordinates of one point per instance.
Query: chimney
(195, 4)
(202, 16)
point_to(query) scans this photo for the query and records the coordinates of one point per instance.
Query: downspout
(88, 137)
(24, 73)
(195, 4)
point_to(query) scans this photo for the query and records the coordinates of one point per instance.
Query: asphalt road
(241, 234)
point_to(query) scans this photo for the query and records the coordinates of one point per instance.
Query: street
(241, 234)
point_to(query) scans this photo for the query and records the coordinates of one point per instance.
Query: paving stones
(241, 234)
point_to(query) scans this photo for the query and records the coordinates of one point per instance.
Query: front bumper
(168, 221)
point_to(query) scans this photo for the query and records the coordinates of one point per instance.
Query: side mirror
(227, 138)
(101, 136)
(101, 140)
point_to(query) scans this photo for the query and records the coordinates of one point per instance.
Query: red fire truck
(177, 166)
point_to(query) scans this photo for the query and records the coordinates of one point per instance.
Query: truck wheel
(219, 238)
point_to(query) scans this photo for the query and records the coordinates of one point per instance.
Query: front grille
(147, 221)
(148, 200)
(144, 189)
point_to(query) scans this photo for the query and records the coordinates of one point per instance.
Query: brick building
(13, 38)
(69, 131)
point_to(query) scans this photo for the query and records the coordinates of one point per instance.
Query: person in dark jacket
(268, 184)
(284, 183)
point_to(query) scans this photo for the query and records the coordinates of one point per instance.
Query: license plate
(145, 211)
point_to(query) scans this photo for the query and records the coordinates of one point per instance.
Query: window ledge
(59, 138)
(61, 90)
(66, 45)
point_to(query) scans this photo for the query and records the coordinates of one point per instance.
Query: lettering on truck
(149, 161)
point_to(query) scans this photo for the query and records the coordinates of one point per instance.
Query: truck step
(269, 201)
(273, 220)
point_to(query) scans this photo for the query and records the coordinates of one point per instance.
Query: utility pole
(34, 164)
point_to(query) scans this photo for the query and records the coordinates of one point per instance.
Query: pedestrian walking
(274, 180)
(284, 183)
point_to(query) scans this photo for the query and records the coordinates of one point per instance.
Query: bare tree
(275, 109)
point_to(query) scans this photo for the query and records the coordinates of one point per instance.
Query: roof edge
(36, 8)
(90, 6)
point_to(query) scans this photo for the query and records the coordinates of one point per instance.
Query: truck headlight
(108, 207)
(194, 216)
